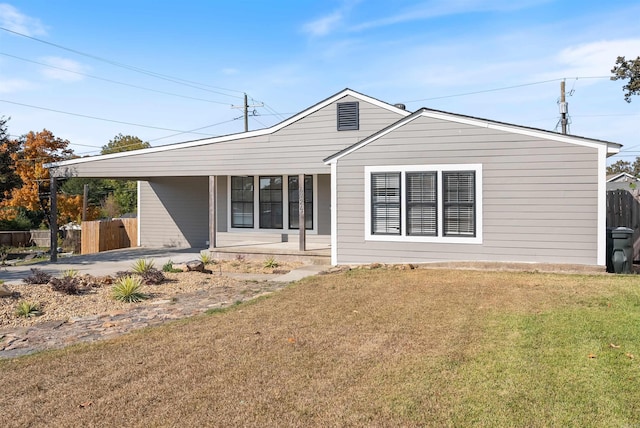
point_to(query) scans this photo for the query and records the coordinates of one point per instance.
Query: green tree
(627, 70)
(124, 143)
(125, 193)
(619, 167)
(116, 197)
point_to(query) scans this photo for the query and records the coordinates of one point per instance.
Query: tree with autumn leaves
(30, 198)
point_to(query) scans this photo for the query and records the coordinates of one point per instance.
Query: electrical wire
(501, 89)
(112, 81)
(168, 78)
(98, 118)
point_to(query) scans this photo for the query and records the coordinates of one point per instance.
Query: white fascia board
(612, 148)
(231, 137)
(547, 135)
(602, 208)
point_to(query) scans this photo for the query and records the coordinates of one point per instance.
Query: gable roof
(616, 177)
(231, 137)
(612, 148)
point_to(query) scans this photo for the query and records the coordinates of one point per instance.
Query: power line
(503, 88)
(98, 118)
(112, 81)
(168, 78)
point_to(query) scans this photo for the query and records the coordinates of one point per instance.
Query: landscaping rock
(4, 291)
(190, 266)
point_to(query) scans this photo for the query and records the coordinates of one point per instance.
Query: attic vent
(348, 116)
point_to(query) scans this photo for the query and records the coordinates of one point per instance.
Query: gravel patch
(56, 306)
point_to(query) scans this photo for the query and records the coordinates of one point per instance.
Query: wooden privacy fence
(623, 210)
(104, 235)
(15, 239)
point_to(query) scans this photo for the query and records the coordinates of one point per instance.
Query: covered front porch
(260, 246)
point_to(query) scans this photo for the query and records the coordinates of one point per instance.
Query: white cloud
(64, 69)
(324, 25)
(329, 23)
(438, 8)
(12, 19)
(596, 58)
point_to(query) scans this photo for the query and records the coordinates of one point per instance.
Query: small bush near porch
(361, 348)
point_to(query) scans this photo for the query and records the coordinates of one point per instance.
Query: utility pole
(246, 106)
(564, 108)
(85, 201)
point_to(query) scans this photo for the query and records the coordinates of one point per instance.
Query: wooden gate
(623, 210)
(104, 235)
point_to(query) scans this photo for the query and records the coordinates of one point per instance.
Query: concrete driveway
(105, 263)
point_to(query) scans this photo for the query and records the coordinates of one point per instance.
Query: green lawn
(361, 348)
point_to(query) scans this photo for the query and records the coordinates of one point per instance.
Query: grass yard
(361, 348)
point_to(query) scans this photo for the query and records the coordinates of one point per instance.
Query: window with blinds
(422, 203)
(429, 203)
(385, 203)
(459, 203)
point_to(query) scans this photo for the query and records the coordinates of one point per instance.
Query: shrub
(168, 267)
(38, 277)
(141, 266)
(127, 289)
(66, 285)
(28, 309)
(270, 263)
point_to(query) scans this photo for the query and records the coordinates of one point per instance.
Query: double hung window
(271, 202)
(438, 203)
(242, 202)
(294, 202)
(385, 203)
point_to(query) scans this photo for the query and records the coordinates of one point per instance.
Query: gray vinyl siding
(297, 148)
(221, 215)
(539, 196)
(174, 212)
(324, 204)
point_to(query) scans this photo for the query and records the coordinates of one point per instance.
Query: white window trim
(403, 237)
(285, 207)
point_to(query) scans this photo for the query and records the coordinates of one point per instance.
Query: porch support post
(301, 220)
(213, 201)
(53, 216)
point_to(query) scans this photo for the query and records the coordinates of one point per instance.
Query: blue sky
(495, 59)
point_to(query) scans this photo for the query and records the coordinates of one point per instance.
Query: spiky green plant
(168, 267)
(142, 266)
(69, 273)
(127, 289)
(28, 309)
(270, 263)
(206, 258)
